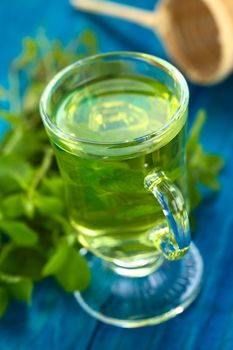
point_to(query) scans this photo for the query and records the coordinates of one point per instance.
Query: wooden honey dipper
(197, 34)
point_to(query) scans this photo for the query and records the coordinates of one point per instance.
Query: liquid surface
(116, 110)
(114, 215)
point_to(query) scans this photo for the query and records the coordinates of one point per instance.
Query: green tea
(114, 215)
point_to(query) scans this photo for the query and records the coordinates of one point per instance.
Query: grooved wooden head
(192, 38)
(198, 36)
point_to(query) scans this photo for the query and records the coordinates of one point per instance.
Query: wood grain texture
(55, 321)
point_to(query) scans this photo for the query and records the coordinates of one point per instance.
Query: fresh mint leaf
(15, 169)
(20, 233)
(21, 290)
(32, 97)
(11, 118)
(31, 155)
(23, 261)
(87, 43)
(28, 55)
(214, 163)
(8, 185)
(49, 204)
(54, 186)
(73, 274)
(56, 261)
(12, 206)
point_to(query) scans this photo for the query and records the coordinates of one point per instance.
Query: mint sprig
(36, 238)
(203, 168)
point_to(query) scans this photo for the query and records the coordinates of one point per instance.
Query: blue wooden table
(55, 320)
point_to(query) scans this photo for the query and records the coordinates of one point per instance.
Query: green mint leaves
(69, 268)
(19, 233)
(203, 168)
(36, 238)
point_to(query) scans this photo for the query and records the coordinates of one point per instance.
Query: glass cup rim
(150, 59)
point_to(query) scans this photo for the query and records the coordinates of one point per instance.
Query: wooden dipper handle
(130, 13)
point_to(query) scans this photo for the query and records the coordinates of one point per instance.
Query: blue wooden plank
(55, 320)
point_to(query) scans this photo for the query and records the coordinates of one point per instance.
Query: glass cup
(117, 125)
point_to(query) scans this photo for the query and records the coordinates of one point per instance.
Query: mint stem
(43, 169)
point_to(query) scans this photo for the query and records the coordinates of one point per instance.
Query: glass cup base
(141, 301)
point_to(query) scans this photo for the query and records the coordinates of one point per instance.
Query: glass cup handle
(174, 242)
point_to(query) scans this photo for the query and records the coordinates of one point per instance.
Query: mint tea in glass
(117, 124)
